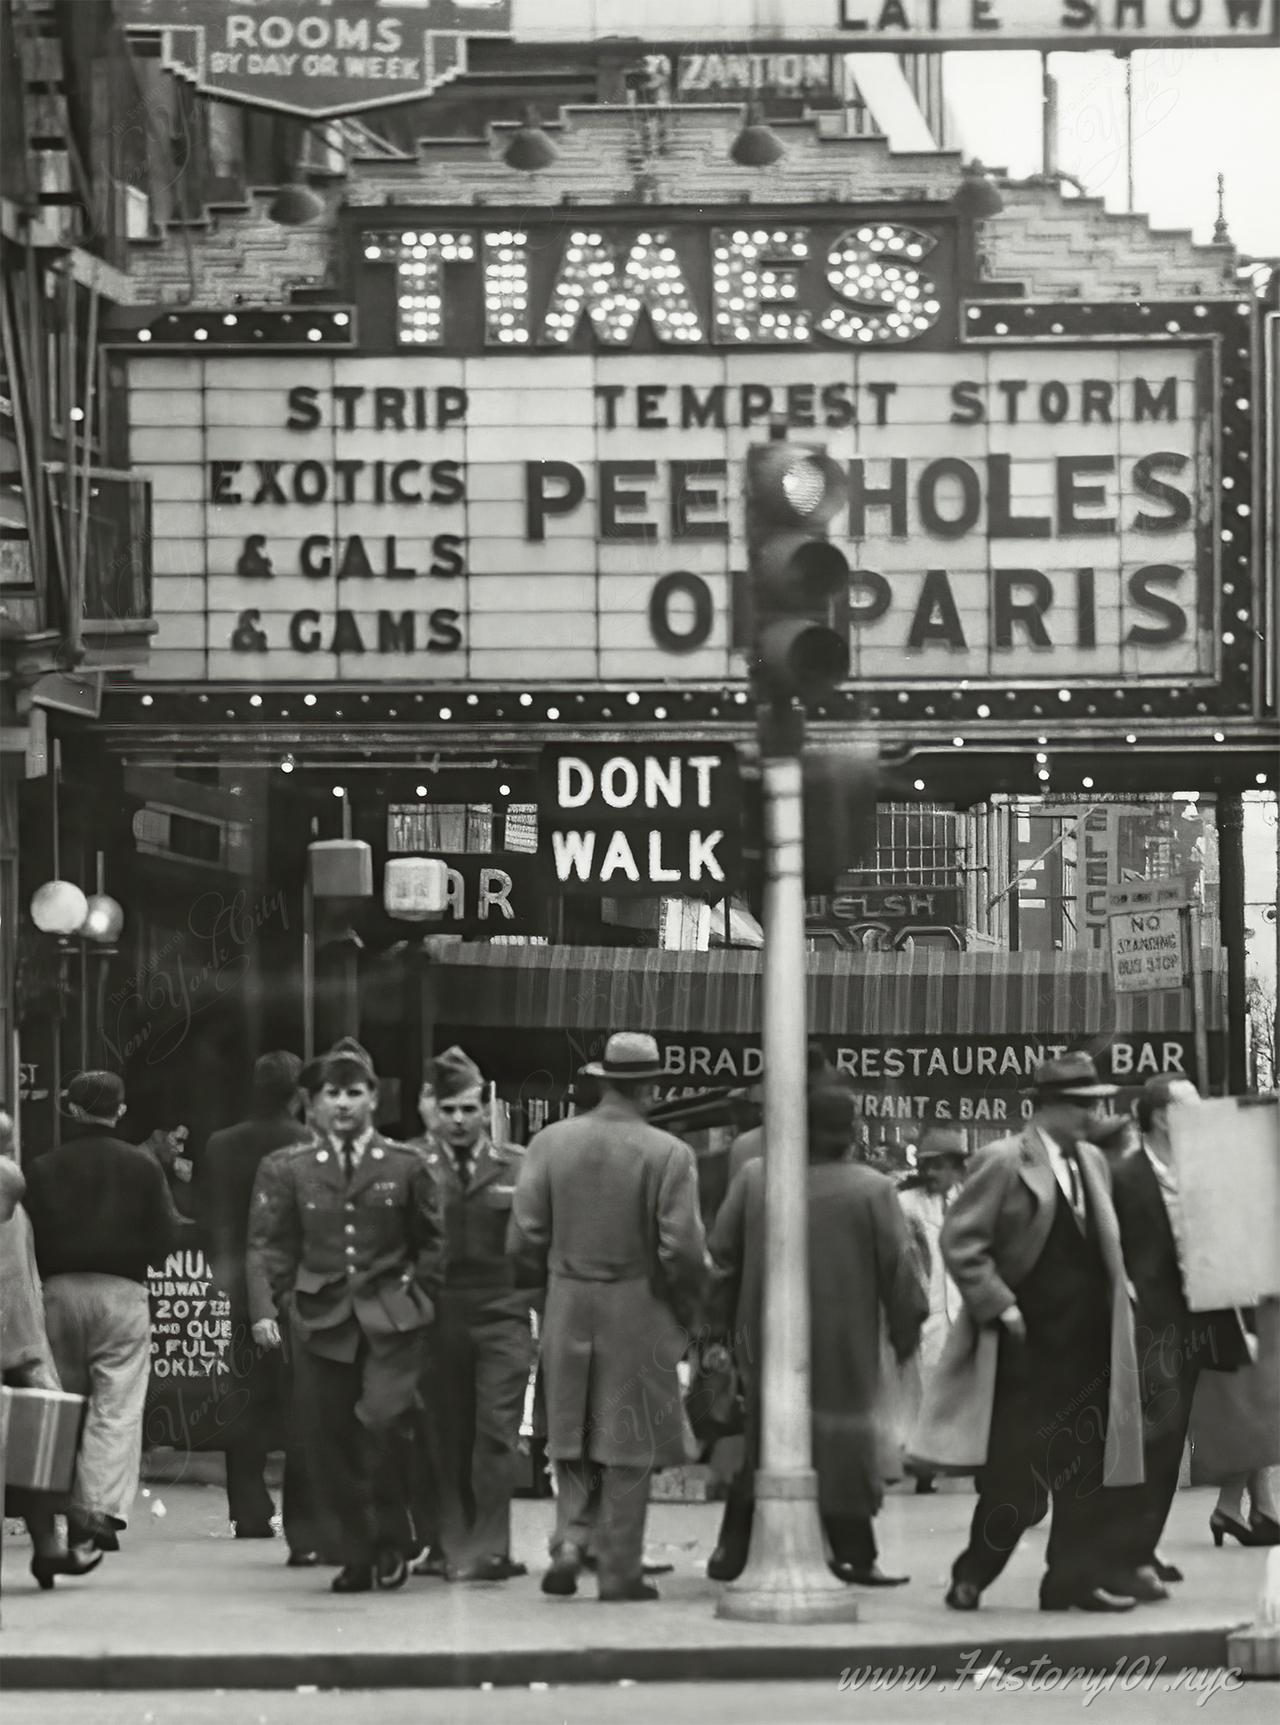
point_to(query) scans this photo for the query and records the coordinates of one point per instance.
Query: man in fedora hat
(348, 1232)
(481, 1346)
(101, 1215)
(606, 1218)
(1037, 1384)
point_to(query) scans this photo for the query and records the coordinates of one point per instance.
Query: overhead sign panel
(902, 24)
(641, 822)
(317, 57)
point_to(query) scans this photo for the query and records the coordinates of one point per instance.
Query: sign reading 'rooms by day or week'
(632, 823)
(1015, 516)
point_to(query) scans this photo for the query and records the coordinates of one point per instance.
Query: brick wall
(1056, 247)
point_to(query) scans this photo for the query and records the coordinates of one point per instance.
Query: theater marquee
(523, 467)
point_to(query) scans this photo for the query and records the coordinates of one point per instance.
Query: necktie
(462, 1160)
(348, 1158)
(1077, 1184)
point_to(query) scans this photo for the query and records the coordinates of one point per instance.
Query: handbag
(715, 1403)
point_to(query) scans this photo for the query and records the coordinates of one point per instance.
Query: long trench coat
(606, 1217)
(863, 1277)
(995, 1231)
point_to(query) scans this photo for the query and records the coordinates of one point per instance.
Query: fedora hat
(93, 1096)
(940, 1141)
(627, 1054)
(1073, 1078)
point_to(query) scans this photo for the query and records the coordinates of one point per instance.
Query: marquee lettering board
(527, 520)
(904, 25)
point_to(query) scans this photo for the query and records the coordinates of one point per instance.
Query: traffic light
(843, 790)
(796, 574)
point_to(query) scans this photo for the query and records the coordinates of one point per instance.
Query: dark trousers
(354, 1417)
(1137, 1513)
(1046, 1447)
(851, 1537)
(267, 1421)
(477, 1377)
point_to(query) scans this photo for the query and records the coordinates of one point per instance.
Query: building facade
(452, 473)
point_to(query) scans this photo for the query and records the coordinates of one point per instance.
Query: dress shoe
(302, 1560)
(1142, 1584)
(1086, 1599)
(633, 1590)
(562, 1578)
(434, 1564)
(650, 1565)
(494, 1567)
(1264, 1528)
(725, 1564)
(1220, 1524)
(1166, 1571)
(863, 1577)
(72, 1562)
(254, 1530)
(353, 1578)
(964, 1596)
(391, 1570)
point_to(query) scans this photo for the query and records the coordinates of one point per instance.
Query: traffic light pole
(787, 1579)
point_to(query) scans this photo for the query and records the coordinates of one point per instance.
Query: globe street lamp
(93, 923)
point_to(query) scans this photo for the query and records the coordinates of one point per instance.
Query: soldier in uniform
(348, 1229)
(481, 1347)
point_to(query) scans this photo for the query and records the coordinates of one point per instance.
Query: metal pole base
(787, 1579)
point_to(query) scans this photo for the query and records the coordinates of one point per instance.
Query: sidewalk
(184, 1606)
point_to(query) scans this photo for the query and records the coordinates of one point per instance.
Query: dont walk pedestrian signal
(797, 579)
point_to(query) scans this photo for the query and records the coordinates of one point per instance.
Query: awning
(926, 991)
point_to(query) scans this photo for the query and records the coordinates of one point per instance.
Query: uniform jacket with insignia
(365, 1258)
(476, 1216)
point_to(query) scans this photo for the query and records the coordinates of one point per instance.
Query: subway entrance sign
(1147, 928)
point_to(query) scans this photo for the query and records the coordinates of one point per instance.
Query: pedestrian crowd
(1017, 1315)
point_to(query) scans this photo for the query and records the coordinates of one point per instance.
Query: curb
(1175, 1650)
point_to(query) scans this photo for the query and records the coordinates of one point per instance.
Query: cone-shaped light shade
(295, 205)
(530, 150)
(755, 145)
(977, 197)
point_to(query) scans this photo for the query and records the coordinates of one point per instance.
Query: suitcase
(39, 1437)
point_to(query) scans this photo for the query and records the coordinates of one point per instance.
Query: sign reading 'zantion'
(639, 823)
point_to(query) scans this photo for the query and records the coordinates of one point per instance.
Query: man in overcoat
(1174, 1343)
(349, 1232)
(606, 1218)
(1037, 1384)
(481, 1346)
(862, 1276)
